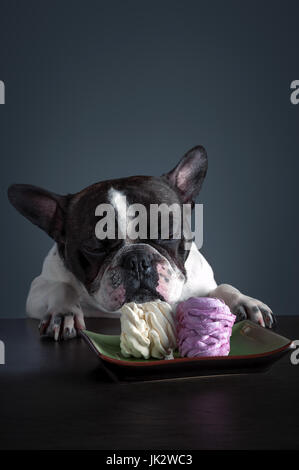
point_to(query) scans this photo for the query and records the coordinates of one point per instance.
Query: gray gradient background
(96, 90)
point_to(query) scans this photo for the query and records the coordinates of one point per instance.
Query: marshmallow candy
(204, 327)
(147, 330)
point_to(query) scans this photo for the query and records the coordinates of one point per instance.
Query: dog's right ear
(45, 209)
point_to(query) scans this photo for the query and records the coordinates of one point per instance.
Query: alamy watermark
(294, 97)
(294, 358)
(2, 92)
(2, 353)
(158, 221)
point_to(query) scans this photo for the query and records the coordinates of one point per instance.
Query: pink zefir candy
(204, 327)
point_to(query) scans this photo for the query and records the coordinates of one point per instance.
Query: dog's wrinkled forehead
(119, 193)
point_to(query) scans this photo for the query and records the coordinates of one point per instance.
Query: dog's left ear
(187, 177)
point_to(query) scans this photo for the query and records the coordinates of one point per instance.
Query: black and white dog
(85, 276)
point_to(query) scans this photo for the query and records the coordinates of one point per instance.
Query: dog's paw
(254, 310)
(61, 326)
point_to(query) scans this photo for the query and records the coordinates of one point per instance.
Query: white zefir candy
(147, 330)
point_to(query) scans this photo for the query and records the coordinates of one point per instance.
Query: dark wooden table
(55, 396)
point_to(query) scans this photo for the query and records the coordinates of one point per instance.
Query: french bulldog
(83, 276)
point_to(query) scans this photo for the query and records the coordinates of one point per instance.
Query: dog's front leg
(243, 306)
(58, 307)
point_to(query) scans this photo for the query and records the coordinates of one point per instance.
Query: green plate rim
(160, 362)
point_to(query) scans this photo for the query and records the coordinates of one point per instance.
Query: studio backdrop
(124, 88)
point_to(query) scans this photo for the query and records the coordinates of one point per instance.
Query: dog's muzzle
(141, 277)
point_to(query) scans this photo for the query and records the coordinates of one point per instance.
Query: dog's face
(119, 269)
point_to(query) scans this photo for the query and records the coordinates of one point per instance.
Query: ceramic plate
(252, 349)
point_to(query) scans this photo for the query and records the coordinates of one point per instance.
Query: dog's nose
(137, 263)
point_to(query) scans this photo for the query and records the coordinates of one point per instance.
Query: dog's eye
(167, 241)
(98, 250)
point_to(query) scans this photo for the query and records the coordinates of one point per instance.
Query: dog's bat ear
(45, 209)
(187, 177)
